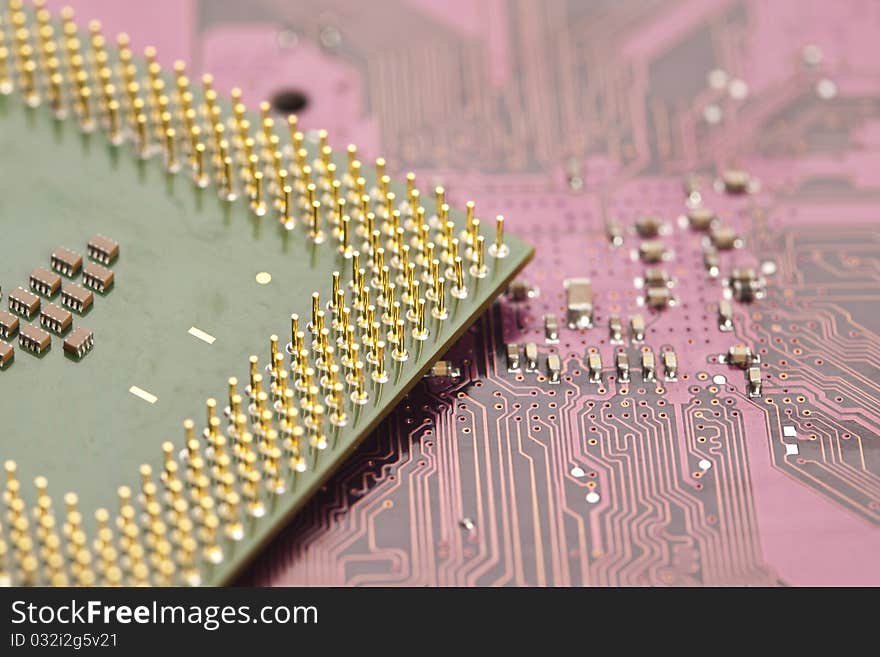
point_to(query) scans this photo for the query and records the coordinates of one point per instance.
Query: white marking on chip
(792, 450)
(264, 278)
(712, 114)
(148, 397)
(201, 335)
(738, 89)
(578, 472)
(717, 79)
(719, 380)
(592, 498)
(705, 464)
(826, 89)
(768, 267)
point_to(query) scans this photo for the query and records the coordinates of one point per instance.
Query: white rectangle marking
(792, 450)
(148, 397)
(201, 335)
(789, 431)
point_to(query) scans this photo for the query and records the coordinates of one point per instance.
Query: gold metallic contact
(479, 268)
(420, 332)
(258, 203)
(499, 249)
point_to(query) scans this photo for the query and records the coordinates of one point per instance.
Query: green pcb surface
(187, 259)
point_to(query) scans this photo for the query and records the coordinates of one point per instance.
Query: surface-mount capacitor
(97, 278)
(513, 362)
(649, 366)
(670, 366)
(735, 181)
(66, 262)
(8, 325)
(615, 329)
(551, 328)
(55, 319)
(652, 251)
(710, 260)
(753, 379)
(658, 297)
(622, 366)
(723, 237)
(700, 218)
(7, 353)
(725, 315)
(746, 284)
(637, 328)
(614, 231)
(579, 303)
(656, 277)
(24, 303)
(79, 342)
(45, 282)
(76, 297)
(554, 367)
(531, 352)
(594, 364)
(741, 356)
(103, 249)
(33, 339)
(649, 225)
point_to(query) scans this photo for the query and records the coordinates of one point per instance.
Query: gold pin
(379, 375)
(200, 175)
(228, 191)
(439, 309)
(286, 218)
(479, 269)
(359, 396)
(171, 162)
(420, 332)
(459, 291)
(499, 249)
(315, 232)
(258, 205)
(469, 220)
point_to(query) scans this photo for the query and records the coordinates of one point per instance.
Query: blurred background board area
(681, 388)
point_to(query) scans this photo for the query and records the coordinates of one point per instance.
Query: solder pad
(200, 285)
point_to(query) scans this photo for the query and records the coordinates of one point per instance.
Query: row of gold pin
(408, 265)
(277, 175)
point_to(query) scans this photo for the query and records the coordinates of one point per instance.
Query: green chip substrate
(188, 285)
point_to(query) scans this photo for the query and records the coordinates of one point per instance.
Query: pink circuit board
(606, 133)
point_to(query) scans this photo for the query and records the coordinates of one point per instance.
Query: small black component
(97, 278)
(723, 237)
(7, 353)
(103, 249)
(45, 282)
(658, 297)
(34, 340)
(700, 218)
(622, 364)
(656, 277)
(76, 297)
(652, 251)
(24, 303)
(8, 325)
(747, 285)
(735, 181)
(79, 343)
(55, 319)
(649, 225)
(66, 262)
